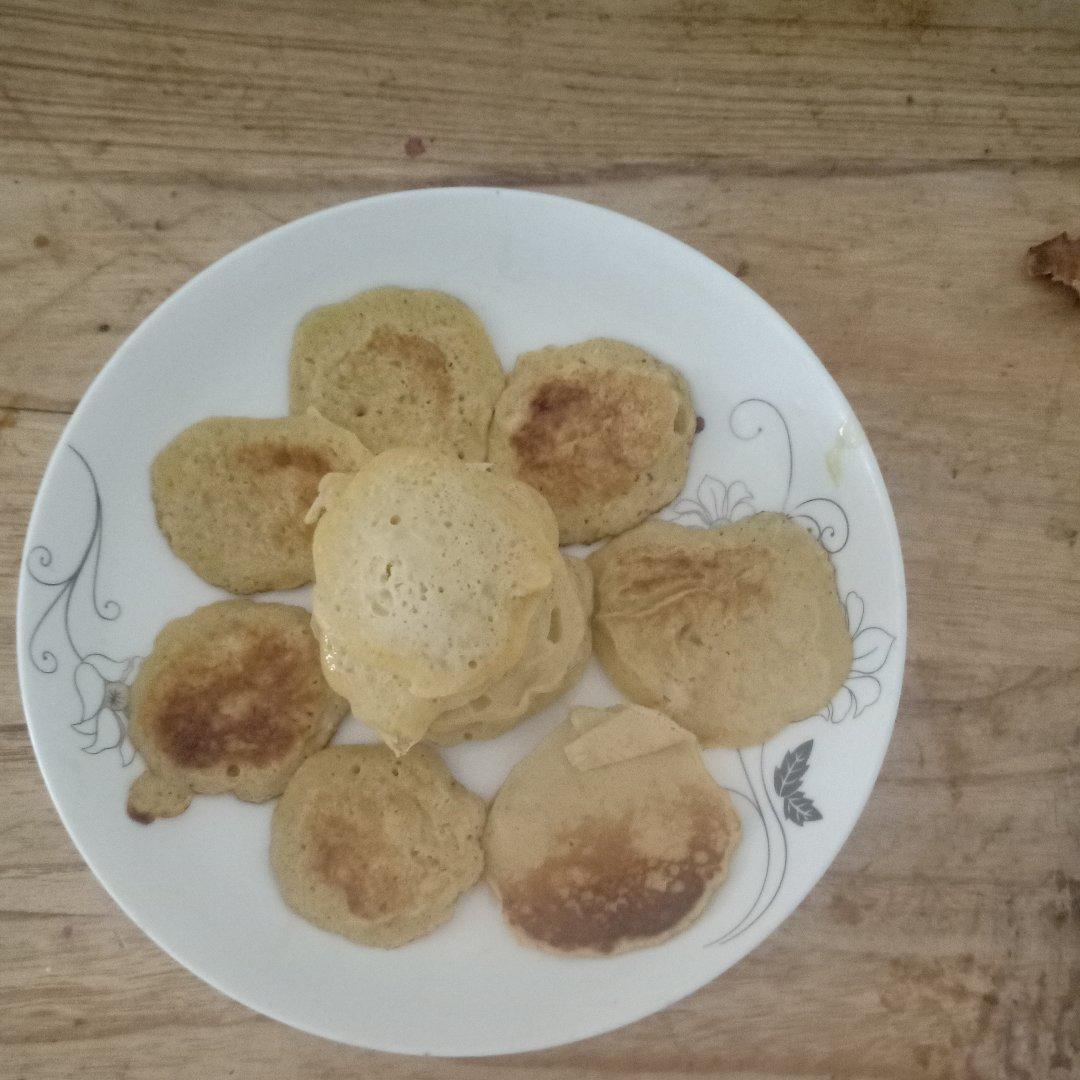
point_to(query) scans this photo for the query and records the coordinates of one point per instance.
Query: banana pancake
(428, 573)
(735, 631)
(231, 492)
(231, 699)
(373, 847)
(602, 429)
(611, 835)
(399, 367)
(553, 662)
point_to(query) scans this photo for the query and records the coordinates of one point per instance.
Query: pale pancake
(231, 492)
(428, 573)
(231, 699)
(611, 835)
(735, 632)
(554, 661)
(379, 698)
(399, 367)
(424, 561)
(602, 429)
(376, 848)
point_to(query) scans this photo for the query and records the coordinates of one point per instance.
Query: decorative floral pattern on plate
(798, 808)
(101, 681)
(716, 503)
(871, 647)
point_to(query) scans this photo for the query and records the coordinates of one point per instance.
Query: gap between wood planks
(707, 168)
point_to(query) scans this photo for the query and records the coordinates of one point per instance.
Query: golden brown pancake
(611, 835)
(428, 572)
(602, 429)
(373, 847)
(735, 632)
(231, 494)
(231, 699)
(399, 367)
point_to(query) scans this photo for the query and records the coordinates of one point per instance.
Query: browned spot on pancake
(266, 457)
(143, 817)
(246, 707)
(598, 889)
(422, 363)
(151, 797)
(355, 856)
(394, 377)
(731, 580)
(293, 469)
(582, 438)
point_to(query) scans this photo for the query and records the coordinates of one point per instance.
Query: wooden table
(876, 170)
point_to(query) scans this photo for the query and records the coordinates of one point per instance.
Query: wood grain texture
(876, 170)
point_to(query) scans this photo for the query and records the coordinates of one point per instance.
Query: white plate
(99, 581)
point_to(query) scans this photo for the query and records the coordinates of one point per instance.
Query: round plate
(99, 581)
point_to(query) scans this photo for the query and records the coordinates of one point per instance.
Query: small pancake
(428, 573)
(553, 662)
(399, 367)
(611, 835)
(602, 429)
(376, 848)
(735, 632)
(231, 699)
(231, 493)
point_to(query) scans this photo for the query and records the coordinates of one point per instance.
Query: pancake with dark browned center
(602, 429)
(231, 699)
(231, 493)
(611, 835)
(374, 847)
(735, 632)
(399, 367)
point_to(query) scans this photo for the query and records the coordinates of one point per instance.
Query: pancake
(375, 848)
(230, 699)
(611, 835)
(735, 632)
(231, 493)
(420, 558)
(379, 699)
(428, 574)
(399, 367)
(602, 429)
(554, 661)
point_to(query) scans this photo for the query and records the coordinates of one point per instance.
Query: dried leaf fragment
(1058, 259)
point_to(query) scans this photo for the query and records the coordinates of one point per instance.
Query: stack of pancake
(441, 600)
(443, 610)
